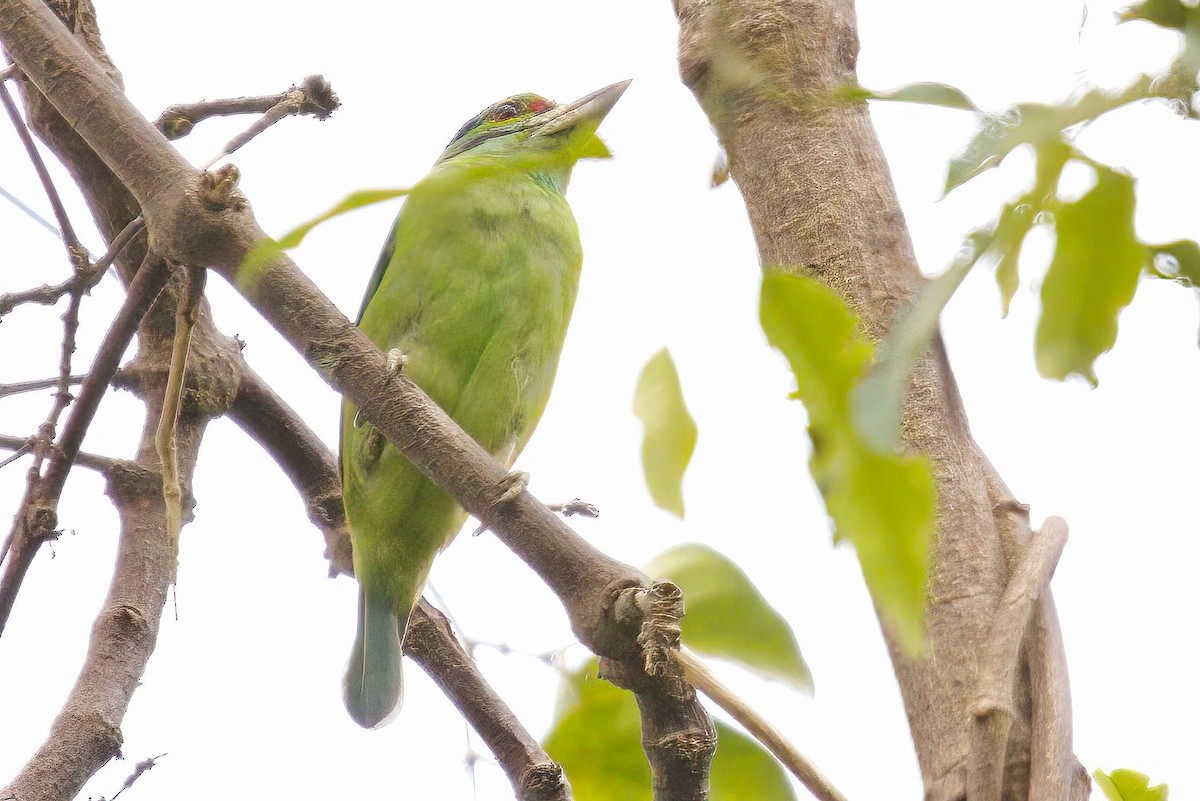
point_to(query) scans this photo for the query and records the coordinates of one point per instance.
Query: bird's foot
(507, 489)
(511, 486)
(574, 506)
(394, 366)
(396, 359)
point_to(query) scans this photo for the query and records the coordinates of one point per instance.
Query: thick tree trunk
(821, 202)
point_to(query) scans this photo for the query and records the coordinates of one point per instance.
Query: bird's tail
(374, 686)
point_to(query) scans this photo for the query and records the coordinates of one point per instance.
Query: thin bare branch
(47, 295)
(22, 445)
(313, 96)
(74, 249)
(304, 459)
(696, 672)
(165, 441)
(20, 387)
(138, 769)
(432, 645)
(993, 710)
(37, 516)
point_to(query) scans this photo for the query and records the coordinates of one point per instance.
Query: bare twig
(35, 520)
(138, 769)
(313, 96)
(302, 456)
(164, 439)
(47, 295)
(35, 158)
(22, 445)
(8, 72)
(698, 674)
(19, 387)
(993, 711)
(432, 645)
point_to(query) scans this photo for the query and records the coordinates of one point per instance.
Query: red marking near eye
(539, 105)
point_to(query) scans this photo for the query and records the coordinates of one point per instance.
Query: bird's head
(530, 132)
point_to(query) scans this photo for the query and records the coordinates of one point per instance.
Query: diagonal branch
(35, 520)
(432, 645)
(993, 710)
(198, 220)
(429, 640)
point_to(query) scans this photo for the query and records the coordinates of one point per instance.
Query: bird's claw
(511, 486)
(575, 506)
(396, 359)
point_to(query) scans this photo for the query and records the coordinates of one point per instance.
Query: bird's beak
(585, 113)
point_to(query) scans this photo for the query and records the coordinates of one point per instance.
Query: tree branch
(994, 710)
(432, 645)
(86, 734)
(35, 520)
(429, 640)
(200, 221)
(821, 201)
(313, 96)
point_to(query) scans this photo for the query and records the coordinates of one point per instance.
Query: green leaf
(1129, 785)
(597, 740)
(1017, 218)
(877, 401)
(1034, 124)
(883, 503)
(728, 617)
(1178, 261)
(1164, 13)
(670, 436)
(932, 94)
(1092, 276)
(355, 200)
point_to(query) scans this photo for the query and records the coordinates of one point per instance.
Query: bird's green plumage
(476, 287)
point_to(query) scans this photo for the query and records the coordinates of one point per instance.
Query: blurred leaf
(355, 200)
(728, 617)
(597, 740)
(883, 503)
(1183, 261)
(1093, 275)
(1035, 123)
(877, 401)
(1164, 13)
(1017, 218)
(1129, 785)
(932, 94)
(670, 431)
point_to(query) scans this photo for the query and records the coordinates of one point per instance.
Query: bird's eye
(505, 111)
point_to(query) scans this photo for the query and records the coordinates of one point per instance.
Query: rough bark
(821, 202)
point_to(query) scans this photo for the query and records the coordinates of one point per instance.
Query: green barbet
(471, 299)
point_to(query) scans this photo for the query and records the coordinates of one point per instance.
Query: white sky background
(243, 692)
